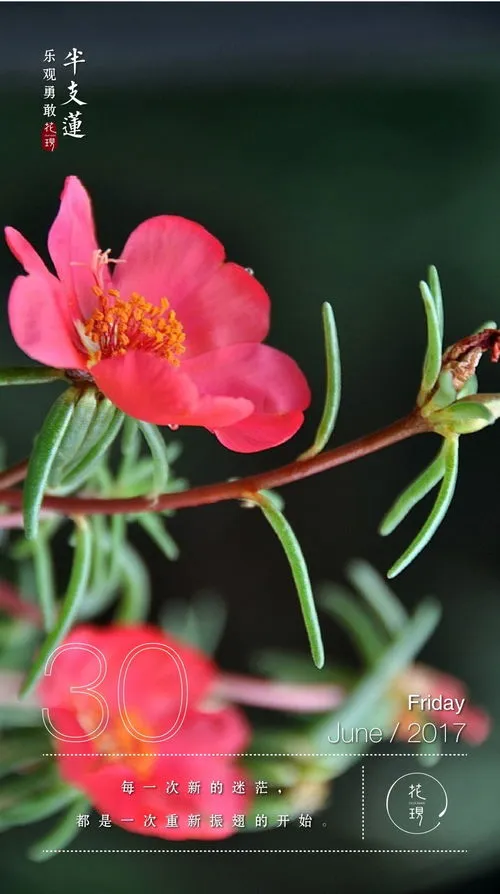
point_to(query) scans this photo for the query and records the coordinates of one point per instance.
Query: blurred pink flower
(144, 699)
(173, 336)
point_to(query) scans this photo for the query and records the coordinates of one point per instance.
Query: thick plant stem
(407, 427)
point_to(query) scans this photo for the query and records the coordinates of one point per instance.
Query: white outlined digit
(86, 689)
(183, 680)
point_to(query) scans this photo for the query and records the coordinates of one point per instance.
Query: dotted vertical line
(362, 802)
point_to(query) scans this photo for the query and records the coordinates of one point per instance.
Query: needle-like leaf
(364, 703)
(75, 437)
(154, 526)
(136, 599)
(300, 573)
(77, 587)
(433, 356)
(29, 376)
(439, 510)
(333, 384)
(130, 447)
(357, 622)
(105, 429)
(158, 448)
(435, 289)
(44, 575)
(374, 590)
(42, 457)
(416, 491)
(63, 832)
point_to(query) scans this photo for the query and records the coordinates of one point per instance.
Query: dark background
(338, 150)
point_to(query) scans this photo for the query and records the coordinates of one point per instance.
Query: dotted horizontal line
(253, 851)
(243, 754)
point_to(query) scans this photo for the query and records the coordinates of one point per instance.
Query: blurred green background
(338, 153)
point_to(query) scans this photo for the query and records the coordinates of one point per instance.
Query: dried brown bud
(462, 358)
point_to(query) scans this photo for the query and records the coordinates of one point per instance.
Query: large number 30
(90, 689)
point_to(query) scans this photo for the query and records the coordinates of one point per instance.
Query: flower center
(117, 744)
(118, 326)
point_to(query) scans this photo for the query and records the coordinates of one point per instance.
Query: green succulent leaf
(158, 448)
(490, 324)
(32, 796)
(333, 384)
(374, 590)
(63, 832)
(199, 622)
(469, 388)
(134, 605)
(439, 510)
(463, 417)
(77, 586)
(37, 807)
(105, 574)
(44, 576)
(130, 447)
(300, 575)
(44, 452)
(433, 356)
(435, 289)
(99, 571)
(291, 667)
(367, 704)
(18, 375)
(75, 436)
(364, 632)
(444, 395)
(105, 429)
(21, 749)
(274, 498)
(416, 491)
(154, 527)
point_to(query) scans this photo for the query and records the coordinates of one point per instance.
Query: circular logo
(416, 803)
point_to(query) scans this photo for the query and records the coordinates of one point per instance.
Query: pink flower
(425, 681)
(158, 733)
(172, 336)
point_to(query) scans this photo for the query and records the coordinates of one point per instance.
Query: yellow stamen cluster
(118, 326)
(117, 740)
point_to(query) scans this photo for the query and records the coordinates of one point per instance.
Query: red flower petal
(72, 242)
(40, 323)
(270, 379)
(260, 432)
(24, 252)
(122, 757)
(148, 388)
(167, 257)
(79, 666)
(230, 308)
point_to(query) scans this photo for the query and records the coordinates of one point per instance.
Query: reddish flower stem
(410, 425)
(298, 698)
(14, 474)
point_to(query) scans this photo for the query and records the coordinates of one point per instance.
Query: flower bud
(466, 416)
